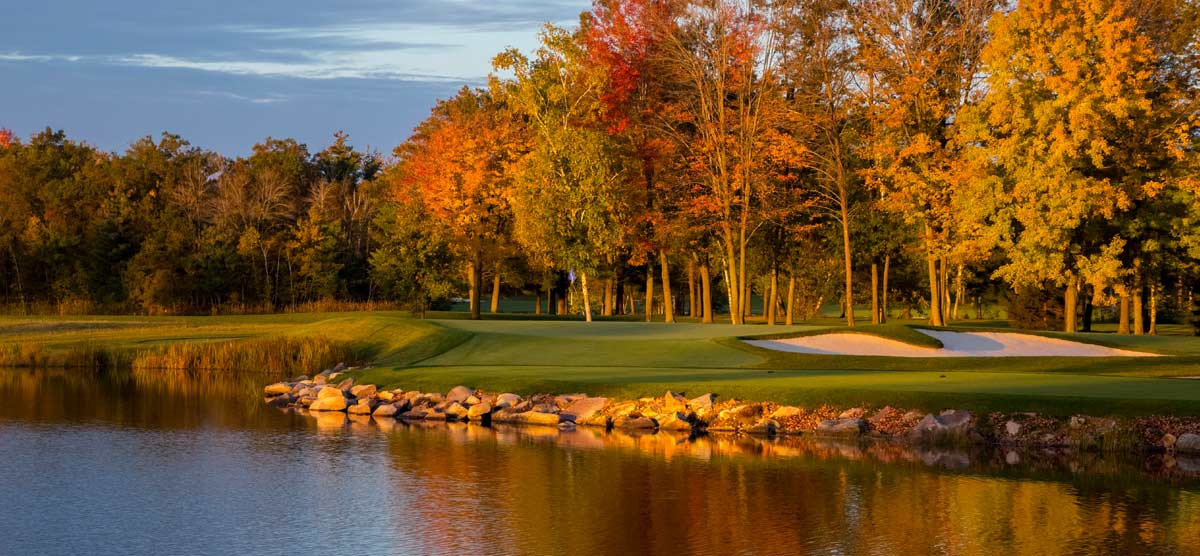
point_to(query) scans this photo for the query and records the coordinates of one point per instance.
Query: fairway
(630, 360)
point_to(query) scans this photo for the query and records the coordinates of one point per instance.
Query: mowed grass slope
(628, 359)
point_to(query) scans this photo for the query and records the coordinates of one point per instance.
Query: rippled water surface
(165, 464)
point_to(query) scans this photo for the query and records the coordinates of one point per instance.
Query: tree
(1084, 119)
(920, 64)
(459, 162)
(571, 199)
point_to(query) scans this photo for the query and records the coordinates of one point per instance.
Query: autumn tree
(1085, 118)
(459, 163)
(919, 61)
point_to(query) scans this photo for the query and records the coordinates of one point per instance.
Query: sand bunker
(957, 344)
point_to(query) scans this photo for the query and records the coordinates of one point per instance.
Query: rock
(329, 403)
(597, 420)
(1013, 428)
(766, 427)
(1188, 443)
(479, 411)
(785, 411)
(947, 424)
(281, 401)
(360, 408)
(346, 385)
(331, 393)
(472, 400)
(854, 425)
(507, 400)
(320, 379)
(339, 367)
(583, 409)
(672, 401)
(457, 411)
(414, 414)
(363, 390)
(677, 421)
(701, 402)
(386, 396)
(852, 413)
(1168, 441)
(385, 410)
(538, 418)
(306, 401)
(566, 426)
(634, 423)
(277, 389)
(1078, 421)
(459, 394)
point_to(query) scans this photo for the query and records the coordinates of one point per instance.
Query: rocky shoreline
(329, 391)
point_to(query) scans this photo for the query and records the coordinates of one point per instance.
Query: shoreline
(330, 391)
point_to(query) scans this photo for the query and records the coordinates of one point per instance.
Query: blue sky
(227, 73)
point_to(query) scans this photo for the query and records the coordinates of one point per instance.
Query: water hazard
(158, 463)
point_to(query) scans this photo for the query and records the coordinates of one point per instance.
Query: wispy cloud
(264, 99)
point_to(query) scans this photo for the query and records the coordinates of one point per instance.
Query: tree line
(927, 157)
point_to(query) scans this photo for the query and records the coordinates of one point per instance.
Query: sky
(226, 74)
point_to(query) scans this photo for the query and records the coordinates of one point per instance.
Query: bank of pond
(331, 393)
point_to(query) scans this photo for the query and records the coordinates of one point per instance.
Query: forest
(937, 159)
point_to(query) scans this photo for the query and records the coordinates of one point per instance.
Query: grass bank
(624, 359)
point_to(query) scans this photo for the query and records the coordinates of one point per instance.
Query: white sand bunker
(956, 344)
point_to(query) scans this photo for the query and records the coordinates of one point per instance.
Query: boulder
(631, 422)
(479, 411)
(1013, 428)
(385, 396)
(507, 400)
(363, 390)
(414, 414)
(852, 413)
(672, 401)
(785, 411)
(1188, 443)
(459, 394)
(346, 385)
(281, 401)
(320, 379)
(701, 402)
(947, 424)
(841, 426)
(538, 418)
(566, 426)
(331, 392)
(583, 409)
(597, 420)
(1168, 441)
(278, 389)
(766, 427)
(328, 403)
(472, 400)
(677, 421)
(360, 408)
(457, 411)
(385, 410)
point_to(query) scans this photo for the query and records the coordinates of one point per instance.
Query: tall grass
(278, 355)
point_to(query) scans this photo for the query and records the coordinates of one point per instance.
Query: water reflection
(152, 464)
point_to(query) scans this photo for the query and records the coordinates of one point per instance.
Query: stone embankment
(675, 412)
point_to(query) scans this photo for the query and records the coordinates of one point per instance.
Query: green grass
(632, 359)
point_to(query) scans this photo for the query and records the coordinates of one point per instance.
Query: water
(164, 464)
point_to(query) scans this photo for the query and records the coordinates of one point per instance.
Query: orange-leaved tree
(458, 164)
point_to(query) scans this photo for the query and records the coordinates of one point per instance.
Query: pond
(164, 463)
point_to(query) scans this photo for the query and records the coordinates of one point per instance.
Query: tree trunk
(691, 288)
(1088, 307)
(706, 293)
(587, 302)
(883, 302)
(772, 301)
(649, 293)
(668, 302)
(848, 260)
(537, 304)
(1153, 310)
(958, 290)
(945, 276)
(495, 307)
(791, 300)
(1070, 305)
(1123, 320)
(1139, 320)
(609, 300)
(474, 279)
(935, 293)
(747, 302)
(733, 287)
(874, 293)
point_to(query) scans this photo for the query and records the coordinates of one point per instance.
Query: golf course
(630, 359)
